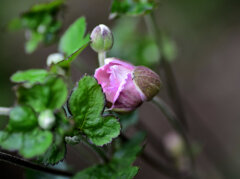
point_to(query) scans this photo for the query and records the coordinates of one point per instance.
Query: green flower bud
(101, 38)
(46, 119)
(147, 81)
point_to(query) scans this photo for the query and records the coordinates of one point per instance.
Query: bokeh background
(207, 37)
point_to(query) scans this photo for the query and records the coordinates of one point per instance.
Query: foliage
(131, 7)
(78, 114)
(139, 49)
(74, 38)
(120, 165)
(99, 129)
(41, 23)
(30, 76)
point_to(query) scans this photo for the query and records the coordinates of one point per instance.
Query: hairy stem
(171, 84)
(101, 58)
(168, 113)
(5, 111)
(30, 165)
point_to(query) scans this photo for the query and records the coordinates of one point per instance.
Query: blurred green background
(207, 37)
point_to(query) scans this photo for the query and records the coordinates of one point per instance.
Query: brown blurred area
(207, 34)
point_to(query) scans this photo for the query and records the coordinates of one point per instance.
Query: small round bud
(147, 81)
(46, 119)
(54, 58)
(101, 38)
(174, 144)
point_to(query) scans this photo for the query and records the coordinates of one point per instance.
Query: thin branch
(30, 165)
(171, 83)
(157, 165)
(177, 126)
(156, 143)
(5, 111)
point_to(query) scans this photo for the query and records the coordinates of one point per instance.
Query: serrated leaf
(54, 154)
(41, 23)
(74, 38)
(22, 118)
(86, 105)
(11, 141)
(30, 76)
(131, 7)
(120, 167)
(51, 94)
(35, 143)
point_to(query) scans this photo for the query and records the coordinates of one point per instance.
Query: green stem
(171, 83)
(78, 139)
(168, 113)
(98, 151)
(101, 58)
(5, 111)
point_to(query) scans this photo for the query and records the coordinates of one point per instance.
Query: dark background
(207, 34)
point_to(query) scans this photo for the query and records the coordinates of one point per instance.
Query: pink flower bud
(122, 92)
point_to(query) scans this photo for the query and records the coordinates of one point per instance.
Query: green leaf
(67, 62)
(11, 141)
(54, 154)
(131, 7)
(32, 44)
(86, 105)
(30, 76)
(41, 23)
(127, 154)
(36, 96)
(22, 118)
(47, 6)
(58, 93)
(105, 171)
(35, 143)
(57, 150)
(120, 167)
(74, 38)
(128, 119)
(52, 94)
(139, 48)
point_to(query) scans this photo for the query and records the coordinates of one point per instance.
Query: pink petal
(119, 62)
(129, 98)
(112, 77)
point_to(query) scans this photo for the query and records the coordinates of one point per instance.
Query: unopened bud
(101, 38)
(147, 81)
(46, 119)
